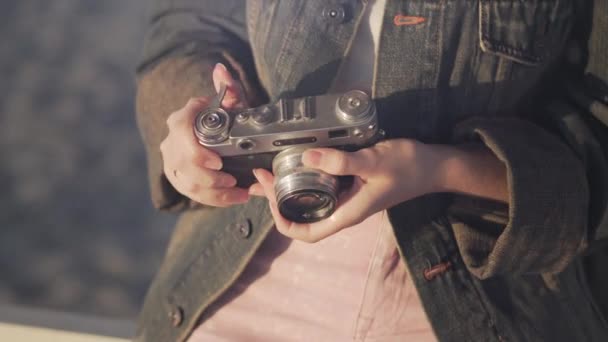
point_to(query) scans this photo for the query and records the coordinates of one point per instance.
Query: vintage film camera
(275, 136)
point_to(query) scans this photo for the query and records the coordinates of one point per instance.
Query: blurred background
(78, 232)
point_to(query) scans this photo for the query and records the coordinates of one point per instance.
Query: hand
(192, 169)
(386, 174)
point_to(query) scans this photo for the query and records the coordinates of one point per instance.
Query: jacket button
(176, 316)
(243, 228)
(335, 13)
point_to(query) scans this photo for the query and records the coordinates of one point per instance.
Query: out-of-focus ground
(77, 230)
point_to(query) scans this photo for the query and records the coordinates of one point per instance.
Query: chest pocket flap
(530, 32)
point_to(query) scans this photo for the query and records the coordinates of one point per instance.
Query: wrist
(446, 161)
(433, 163)
(470, 169)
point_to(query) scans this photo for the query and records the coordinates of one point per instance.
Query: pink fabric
(350, 286)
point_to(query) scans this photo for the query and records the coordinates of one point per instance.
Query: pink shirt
(351, 286)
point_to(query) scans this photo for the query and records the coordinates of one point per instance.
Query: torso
(350, 286)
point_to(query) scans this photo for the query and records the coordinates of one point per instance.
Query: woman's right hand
(193, 170)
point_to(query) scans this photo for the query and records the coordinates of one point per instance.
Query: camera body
(320, 121)
(275, 135)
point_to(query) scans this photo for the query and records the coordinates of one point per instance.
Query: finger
(234, 94)
(352, 210)
(203, 157)
(300, 231)
(196, 104)
(354, 205)
(266, 179)
(184, 116)
(190, 179)
(222, 197)
(206, 178)
(181, 147)
(265, 183)
(256, 190)
(307, 232)
(181, 142)
(216, 189)
(336, 162)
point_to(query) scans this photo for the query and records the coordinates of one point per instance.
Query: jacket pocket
(531, 32)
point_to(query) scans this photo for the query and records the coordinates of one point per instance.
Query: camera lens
(307, 206)
(304, 195)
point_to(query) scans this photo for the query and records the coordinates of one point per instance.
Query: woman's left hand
(390, 172)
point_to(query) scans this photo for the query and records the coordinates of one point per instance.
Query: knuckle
(207, 199)
(196, 156)
(195, 104)
(215, 181)
(383, 144)
(311, 239)
(204, 200)
(222, 198)
(194, 188)
(369, 155)
(216, 197)
(339, 162)
(192, 101)
(206, 181)
(172, 118)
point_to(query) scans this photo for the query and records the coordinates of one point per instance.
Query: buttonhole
(436, 270)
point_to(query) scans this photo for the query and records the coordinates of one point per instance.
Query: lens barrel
(304, 194)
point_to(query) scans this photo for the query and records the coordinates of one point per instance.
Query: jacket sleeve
(184, 41)
(556, 169)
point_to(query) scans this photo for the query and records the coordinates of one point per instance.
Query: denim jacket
(493, 72)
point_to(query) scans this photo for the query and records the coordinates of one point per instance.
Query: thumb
(336, 162)
(234, 93)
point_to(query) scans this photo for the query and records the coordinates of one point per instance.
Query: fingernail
(221, 66)
(213, 164)
(312, 158)
(255, 174)
(225, 78)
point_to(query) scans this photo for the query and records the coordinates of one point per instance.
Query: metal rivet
(176, 315)
(335, 13)
(242, 117)
(264, 116)
(246, 144)
(244, 228)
